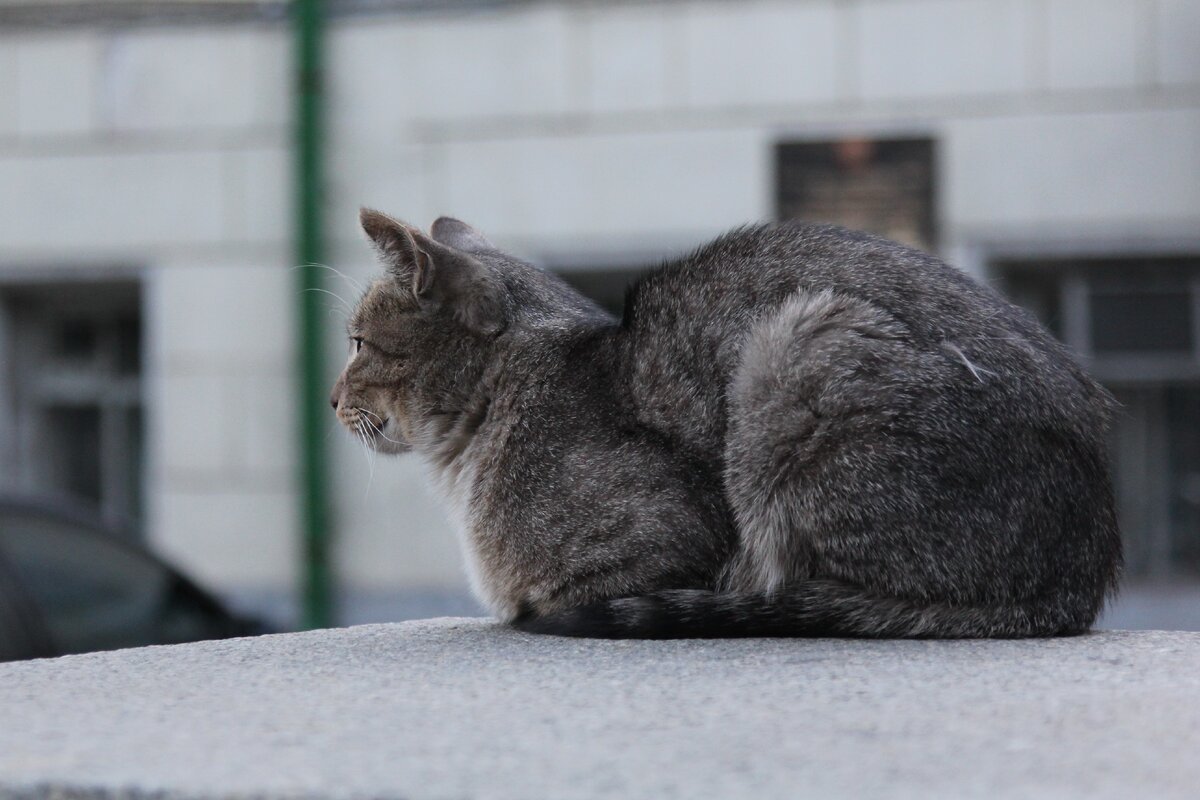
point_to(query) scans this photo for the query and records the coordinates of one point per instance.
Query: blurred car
(69, 584)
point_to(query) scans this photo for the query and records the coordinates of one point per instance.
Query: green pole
(309, 243)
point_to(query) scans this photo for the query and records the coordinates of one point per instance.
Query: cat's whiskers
(369, 452)
(372, 455)
(349, 310)
(355, 285)
(377, 428)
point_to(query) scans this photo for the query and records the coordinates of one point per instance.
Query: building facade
(146, 278)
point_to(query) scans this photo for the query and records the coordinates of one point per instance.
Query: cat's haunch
(798, 430)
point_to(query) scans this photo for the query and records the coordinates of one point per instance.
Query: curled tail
(813, 608)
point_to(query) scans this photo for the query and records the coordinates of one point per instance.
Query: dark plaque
(884, 186)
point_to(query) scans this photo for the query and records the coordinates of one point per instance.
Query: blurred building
(146, 295)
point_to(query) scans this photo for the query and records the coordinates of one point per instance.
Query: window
(1134, 319)
(72, 391)
(1136, 322)
(884, 186)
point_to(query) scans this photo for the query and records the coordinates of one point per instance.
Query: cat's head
(424, 334)
(417, 330)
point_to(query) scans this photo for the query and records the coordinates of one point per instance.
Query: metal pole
(309, 243)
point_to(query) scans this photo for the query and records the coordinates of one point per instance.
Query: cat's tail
(813, 608)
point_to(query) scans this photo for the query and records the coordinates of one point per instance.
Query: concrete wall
(568, 132)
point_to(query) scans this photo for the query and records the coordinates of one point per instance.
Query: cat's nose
(335, 399)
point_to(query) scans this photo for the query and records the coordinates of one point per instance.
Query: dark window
(75, 340)
(71, 450)
(1141, 321)
(884, 186)
(127, 336)
(73, 394)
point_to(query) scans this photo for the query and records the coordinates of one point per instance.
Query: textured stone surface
(1072, 170)
(942, 48)
(761, 53)
(387, 72)
(629, 54)
(57, 79)
(9, 86)
(1095, 44)
(222, 78)
(86, 202)
(1177, 28)
(462, 708)
(614, 186)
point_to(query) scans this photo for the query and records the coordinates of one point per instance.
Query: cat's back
(686, 322)
(754, 269)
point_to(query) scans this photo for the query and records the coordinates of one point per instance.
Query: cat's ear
(459, 235)
(399, 248)
(436, 274)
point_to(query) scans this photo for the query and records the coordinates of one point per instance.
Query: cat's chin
(383, 437)
(392, 448)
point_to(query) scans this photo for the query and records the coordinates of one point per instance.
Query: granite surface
(465, 708)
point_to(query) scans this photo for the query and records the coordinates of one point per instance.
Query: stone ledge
(463, 708)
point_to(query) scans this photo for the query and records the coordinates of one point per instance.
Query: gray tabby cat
(796, 431)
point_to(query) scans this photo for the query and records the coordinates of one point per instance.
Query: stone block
(111, 201)
(57, 82)
(761, 53)
(942, 48)
(628, 58)
(1130, 169)
(610, 186)
(1096, 43)
(1177, 39)
(216, 424)
(469, 708)
(258, 194)
(222, 314)
(495, 62)
(512, 62)
(9, 82)
(274, 62)
(187, 78)
(262, 419)
(370, 75)
(376, 172)
(192, 419)
(227, 537)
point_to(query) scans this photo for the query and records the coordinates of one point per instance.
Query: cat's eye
(356, 343)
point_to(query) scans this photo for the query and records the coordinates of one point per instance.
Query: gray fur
(459, 235)
(797, 430)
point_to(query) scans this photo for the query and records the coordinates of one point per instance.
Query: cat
(798, 430)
